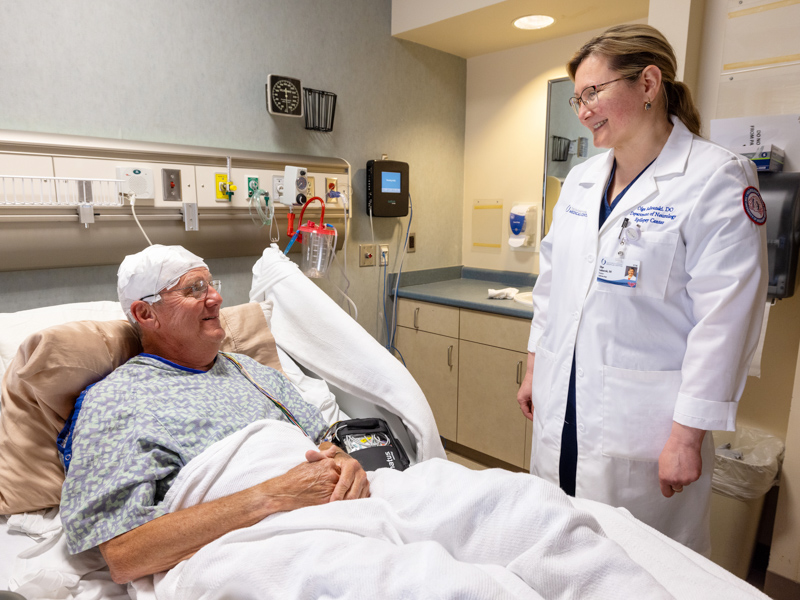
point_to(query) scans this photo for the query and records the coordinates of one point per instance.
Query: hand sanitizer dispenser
(523, 225)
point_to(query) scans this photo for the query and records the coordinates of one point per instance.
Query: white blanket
(437, 530)
(322, 337)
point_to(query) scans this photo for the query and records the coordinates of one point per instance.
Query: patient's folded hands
(307, 484)
(353, 482)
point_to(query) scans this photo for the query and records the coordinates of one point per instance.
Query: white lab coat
(675, 347)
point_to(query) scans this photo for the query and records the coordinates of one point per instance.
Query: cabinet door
(433, 361)
(489, 418)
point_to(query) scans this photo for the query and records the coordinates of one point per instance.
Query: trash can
(746, 465)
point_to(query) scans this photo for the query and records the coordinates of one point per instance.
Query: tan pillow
(51, 369)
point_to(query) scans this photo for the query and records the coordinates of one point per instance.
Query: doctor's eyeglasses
(588, 96)
(199, 289)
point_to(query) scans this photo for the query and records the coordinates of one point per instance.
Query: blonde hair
(631, 48)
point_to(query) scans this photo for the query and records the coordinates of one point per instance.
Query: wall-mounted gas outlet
(222, 186)
(331, 185)
(277, 189)
(366, 255)
(311, 188)
(171, 184)
(252, 186)
(384, 251)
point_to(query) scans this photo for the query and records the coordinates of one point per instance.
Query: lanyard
(605, 209)
(287, 413)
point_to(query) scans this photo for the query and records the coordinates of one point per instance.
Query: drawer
(425, 316)
(500, 331)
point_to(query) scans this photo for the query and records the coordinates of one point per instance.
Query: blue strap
(64, 439)
(605, 208)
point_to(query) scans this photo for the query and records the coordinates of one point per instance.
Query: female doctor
(625, 378)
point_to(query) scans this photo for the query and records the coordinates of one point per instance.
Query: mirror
(567, 143)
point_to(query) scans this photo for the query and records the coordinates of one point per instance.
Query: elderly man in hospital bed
(205, 469)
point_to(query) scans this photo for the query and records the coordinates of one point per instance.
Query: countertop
(469, 290)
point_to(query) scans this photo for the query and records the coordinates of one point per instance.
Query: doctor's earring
(647, 105)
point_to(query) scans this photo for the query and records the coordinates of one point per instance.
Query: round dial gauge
(285, 96)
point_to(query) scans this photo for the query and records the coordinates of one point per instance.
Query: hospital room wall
(193, 72)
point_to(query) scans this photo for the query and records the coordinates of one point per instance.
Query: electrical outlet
(384, 249)
(412, 242)
(366, 255)
(277, 189)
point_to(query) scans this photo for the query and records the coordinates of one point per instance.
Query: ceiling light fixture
(534, 22)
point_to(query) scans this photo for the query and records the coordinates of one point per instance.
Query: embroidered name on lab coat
(654, 214)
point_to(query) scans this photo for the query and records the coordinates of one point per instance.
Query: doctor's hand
(353, 482)
(525, 393)
(680, 462)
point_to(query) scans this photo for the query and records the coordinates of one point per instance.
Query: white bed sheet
(11, 544)
(680, 570)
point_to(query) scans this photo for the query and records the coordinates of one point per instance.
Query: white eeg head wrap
(153, 269)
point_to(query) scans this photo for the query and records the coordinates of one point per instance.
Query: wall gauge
(284, 96)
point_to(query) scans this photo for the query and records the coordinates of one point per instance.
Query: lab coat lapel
(593, 183)
(670, 162)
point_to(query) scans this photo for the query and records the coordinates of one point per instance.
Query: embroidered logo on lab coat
(754, 205)
(576, 212)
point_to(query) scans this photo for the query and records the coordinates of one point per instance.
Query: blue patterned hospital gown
(140, 425)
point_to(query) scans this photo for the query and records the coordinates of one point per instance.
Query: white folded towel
(508, 293)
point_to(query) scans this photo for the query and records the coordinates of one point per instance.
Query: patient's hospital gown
(135, 430)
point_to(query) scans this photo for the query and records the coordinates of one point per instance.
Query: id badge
(618, 272)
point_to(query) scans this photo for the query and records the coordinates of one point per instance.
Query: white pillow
(15, 327)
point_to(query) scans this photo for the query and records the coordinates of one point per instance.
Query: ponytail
(680, 104)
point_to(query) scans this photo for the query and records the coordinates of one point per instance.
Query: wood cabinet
(433, 361)
(469, 365)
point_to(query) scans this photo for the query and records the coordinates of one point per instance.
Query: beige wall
(505, 137)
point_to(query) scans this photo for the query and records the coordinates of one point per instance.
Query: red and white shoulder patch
(754, 206)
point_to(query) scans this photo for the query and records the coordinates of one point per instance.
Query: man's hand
(307, 484)
(680, 462)
(352, 482)
(525, 393)
(164, 542)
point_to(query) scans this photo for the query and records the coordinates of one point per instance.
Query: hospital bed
(333, 363)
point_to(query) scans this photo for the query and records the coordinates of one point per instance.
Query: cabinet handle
(416, 318)
(450, 356)
(519, 373)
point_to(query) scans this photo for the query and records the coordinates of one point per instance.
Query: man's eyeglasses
(588, 96)
(199, 289)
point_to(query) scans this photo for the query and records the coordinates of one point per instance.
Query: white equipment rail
(60, 191)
